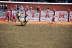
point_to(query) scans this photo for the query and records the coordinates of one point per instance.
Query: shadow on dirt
(20, 25)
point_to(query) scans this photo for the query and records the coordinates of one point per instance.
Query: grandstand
(52, 1)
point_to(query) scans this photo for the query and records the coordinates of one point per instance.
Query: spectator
(47, 10)
(15, 7)
(14, 15)
(26, 14)
(30, 9)
(0, 7)
(38, 9)
(8, 15)
(5, 8)
(26, 9)
(21, 8)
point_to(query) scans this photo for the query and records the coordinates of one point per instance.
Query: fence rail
(60, 16)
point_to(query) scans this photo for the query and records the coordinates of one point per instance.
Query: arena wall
(58, 6)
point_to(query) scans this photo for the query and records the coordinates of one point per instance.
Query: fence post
(40, 14)
(68, 14)
(11, 13)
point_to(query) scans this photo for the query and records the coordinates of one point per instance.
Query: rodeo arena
(35, 25)
(35, 15)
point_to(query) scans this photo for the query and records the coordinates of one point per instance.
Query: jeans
(8, 18)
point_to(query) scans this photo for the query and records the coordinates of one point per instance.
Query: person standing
(8, 15)
(30, 9)
(21, 8)
(0, 7)
(26, 14)
(26, 10)
(38, 9)
(47, 10)
(15, 7)
(13, 15)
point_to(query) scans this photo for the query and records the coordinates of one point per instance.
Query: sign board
(33, 19)
(2, 14)
(46, 19)
(36, 15)
(70, 19)
(43, 18)
(61, 16)
(71, 14)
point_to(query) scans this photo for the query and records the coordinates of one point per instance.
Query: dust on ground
(35, 35)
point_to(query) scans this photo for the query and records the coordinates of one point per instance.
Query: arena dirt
(35, 35)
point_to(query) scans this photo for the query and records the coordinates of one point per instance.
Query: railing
(60, 16)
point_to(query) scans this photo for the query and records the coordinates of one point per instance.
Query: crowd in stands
(3, 7)
(19, 8)
(51, 1)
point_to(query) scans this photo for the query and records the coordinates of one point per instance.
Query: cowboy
(18, 15)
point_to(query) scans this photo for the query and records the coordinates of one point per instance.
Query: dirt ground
(35, 35)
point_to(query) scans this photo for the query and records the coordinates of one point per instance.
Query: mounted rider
(18, 15)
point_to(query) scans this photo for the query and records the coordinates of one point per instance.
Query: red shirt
(7, 13)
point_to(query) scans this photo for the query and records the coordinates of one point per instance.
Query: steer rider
(18, 15)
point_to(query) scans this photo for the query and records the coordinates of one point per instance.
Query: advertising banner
(47, 16)
(70, 18)
(61, 16)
